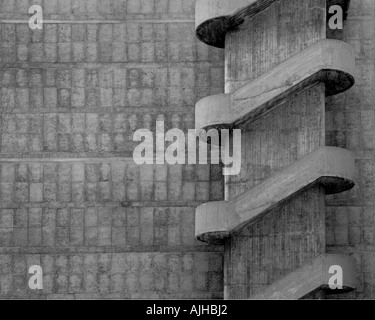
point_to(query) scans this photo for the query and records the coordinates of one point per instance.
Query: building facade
(74, 202)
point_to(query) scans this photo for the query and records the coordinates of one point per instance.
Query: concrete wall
(351, 124)
(79, 91)
(290, 235)
(72, 199)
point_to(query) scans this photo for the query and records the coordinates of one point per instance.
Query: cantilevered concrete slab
(214, 18)
(334, 168)
(328, 61)
(311, 277)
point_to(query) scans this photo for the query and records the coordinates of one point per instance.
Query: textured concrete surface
(215, 18)
(266, 55)
(151, 48)
(72, 199)
(329, 61)
(332, 168)
(312, 277)
(350, 123)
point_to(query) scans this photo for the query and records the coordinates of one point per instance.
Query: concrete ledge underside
(214, 18)
(331, 167)
(311, 277)
(328, 61)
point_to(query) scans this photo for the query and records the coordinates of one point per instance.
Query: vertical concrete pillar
(263, 40)
(289, 236)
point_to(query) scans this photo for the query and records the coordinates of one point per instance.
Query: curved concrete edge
(211, 221)
(216, 107)
(326, 162)
(214, 18)
(311, 277)
(347, 263)
(328, 61)
(212, 9)
(334, 168)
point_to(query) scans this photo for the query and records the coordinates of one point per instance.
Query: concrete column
(260, 37)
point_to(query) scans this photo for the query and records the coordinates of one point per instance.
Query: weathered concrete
(329, 61)
(72, 199)
(283, 121)
(350, 124)
(332, 168)
(312, 277)
(153, 56)
(215, 18)
(270, 248)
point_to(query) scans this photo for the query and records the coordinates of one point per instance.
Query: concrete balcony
(331, 167)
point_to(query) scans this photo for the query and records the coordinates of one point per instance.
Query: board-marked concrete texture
(252, 35)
